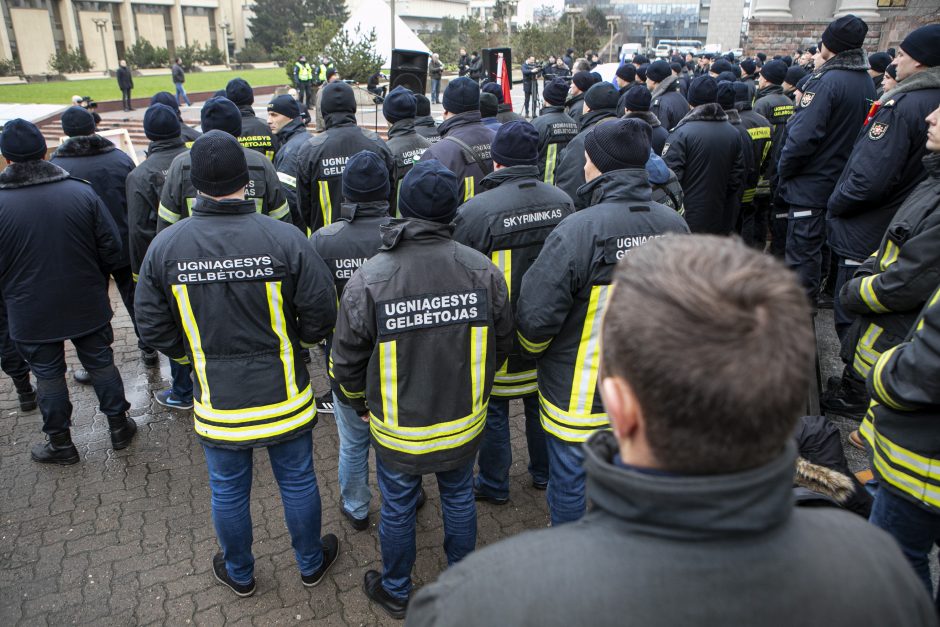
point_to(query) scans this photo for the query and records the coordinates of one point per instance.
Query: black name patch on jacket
(223, 269)
(616, 247)
(431, 310)
(527, 220)
(344, 268)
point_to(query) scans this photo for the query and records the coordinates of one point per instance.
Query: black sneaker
(325, 403)
(479, 496)
(845, 399)
(359, 524)
(221, 574)
(330, 553)
(82, 376)
(150, 358)
(372, 586)
(305, 355)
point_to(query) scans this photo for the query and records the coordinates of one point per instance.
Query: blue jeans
(397, 529)
(806, 234)
(353, 459)
(915, 529)
(565, 495)
(230, 482)
(181, 93)
(495, 456)
(182, 375)
(435, 89)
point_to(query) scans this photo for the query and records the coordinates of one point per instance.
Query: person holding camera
(530, 86)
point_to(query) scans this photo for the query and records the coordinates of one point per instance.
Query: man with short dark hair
(556, 128)
(693, 519)
(179, 77)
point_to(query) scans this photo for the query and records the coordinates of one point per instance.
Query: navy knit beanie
(641, 71)
(400, 104)
(880, 61)
(623, 143)
(658, 71)
(429, 192)
(22, 141)
(239, 91)
(602, 96)
(627, 72)
(794, 74)
(161, 122)
(165, 98)
(462, 95)
(496, 90)
(702, 90)
(774, 71)
(748, 66)
(719, 66)
(637, 98)
(742, 97)
(365, 178)
(422, 105)
(489, 105)
(726, 76)
(845, 33)
(78, 121)
(221, 114)
(724, 96)
(516, 143)
(556, 92)
(218, 165)
(582, 80)
(923, 45)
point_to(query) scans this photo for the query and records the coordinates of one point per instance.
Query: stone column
(128, 27)
(179, 30)
(865, 9)
(67, 12)
(771, 9)
(6, 51)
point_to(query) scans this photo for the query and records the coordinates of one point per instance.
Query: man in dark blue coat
(667, 103)
(58, 243)
(820, 134)
(93, 158)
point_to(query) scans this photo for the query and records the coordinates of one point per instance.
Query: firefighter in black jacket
(561, 302)
(56, 231)
(255, 132)
(425, 126)
(400, 108)
(600, 106)
(344, 246)
(236, 294)
(264, 188)
(725, 99)
(509, 223)
(322, 159)
(556, 128)
(188, 133)
(753, 223)
(144, 186)
(402, 331)
(286, 121)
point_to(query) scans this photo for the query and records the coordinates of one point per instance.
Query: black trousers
(533, 98)
(126, 98)
(303, 93)
(806, 236)
(11, 362)
(124, 280)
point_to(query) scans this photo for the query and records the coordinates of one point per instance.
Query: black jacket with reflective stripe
(237, 293)
(426, 127)
(556, 128)
(419, 349)
(256, 134)
(406, 147)
(468, 129)
(509, 223)
(291, 140)
(561, 302)
(264, 189)
(777, 109)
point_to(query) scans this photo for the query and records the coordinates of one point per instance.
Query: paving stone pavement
(126, 538)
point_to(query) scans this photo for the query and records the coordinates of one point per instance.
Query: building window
(891, 4)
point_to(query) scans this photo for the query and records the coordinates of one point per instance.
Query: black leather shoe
(150, 358)
(359, 524)
(849, 399)
(479, 496)
(58, 450)
(372, 586)
(122, 430)
(222, 576)
(28, 400)
(330, 553)
(422, 499)
(540, 485)
(82, 376)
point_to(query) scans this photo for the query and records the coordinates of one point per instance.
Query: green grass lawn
(61, 92)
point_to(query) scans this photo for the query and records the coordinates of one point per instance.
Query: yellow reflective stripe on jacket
(930, 304)
(530, 346)
(190, 203)
(259, 205)
(478, 341)
(890, 255)
(350, 394)
(135, 277)
(276, 307)
(269, 154)
(280, 212)
(254, 432)
(388, 380)
(749, 195)
(902, 468)
(181, 294)
(420, 440)
(326, 205)
(256, 414)
(287, 179)
(569, 426)
(183, 361)
(551, 157)
(865, 353)
(167, 215)
(877, 381)
(515, 384)
(868, 295)
(468, 188)
(584, 381)
(502, 259)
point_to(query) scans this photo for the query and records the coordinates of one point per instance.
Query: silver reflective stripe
(802, 214)
(850, 262)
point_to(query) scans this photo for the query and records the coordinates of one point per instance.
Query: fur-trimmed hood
(84, 146)
(926, 79)
(854, 60)
(17, 175)
(647, 116)
(711, 112)
(824, 481)
(670, 83)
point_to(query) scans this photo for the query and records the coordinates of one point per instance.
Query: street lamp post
(573, 13)
(224, 26)
(510, 11)
(391, 5)
(101, 23)
(612, 20)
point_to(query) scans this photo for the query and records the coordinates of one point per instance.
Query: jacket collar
(247, 111)
(932, 164)
(402, 127)
(209, 206)
(854, 60)
(460, 119)
(691, 508)
(164, 145)
(632, 184)
(503, 108)
(84, 146)
(572, 100)
(711, 112)
(352, 210)
(27, 173)
(290, 129)
(507, 175)
(552, 109)
(925, 79)
(647, 116)
(770, 89)
(592, 117)
(733, 116)
(339, 118)
(670, 83)
(399, 230)
(425, 120)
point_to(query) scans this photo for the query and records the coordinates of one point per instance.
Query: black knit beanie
(658, 71)
(489, 106)
(429, 192)
(21, 141)
(724, 95)
(845, 33)
(365, 178)
(623, 143)
(285, 105)
(495, 89)
(637, 98)
(422, 105)
(601, 96)
(516, 143)
(627, 72)
(794, 74)
(400, 104)
(221, 114)
(748, 66)
(879, 61)
(337, 97)
(78, 121)
(165, 98)
(719, 66)
(582, 80)
(462, 95)
(161, 122)
(239, 91)
(218, 164)
(702, 90)
(923, 45)
(774, 71)
(556, 92)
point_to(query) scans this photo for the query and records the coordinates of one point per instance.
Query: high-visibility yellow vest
(304, 71)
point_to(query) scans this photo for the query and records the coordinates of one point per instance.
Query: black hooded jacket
(426, 127)
(291, 139)
(256, 134)
(569, 175)
(556, 128)
(406, 147)
(469, 166)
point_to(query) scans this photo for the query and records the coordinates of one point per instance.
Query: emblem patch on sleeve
(807, 98)
(877, 131)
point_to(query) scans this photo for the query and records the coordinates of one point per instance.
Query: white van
(628, 51)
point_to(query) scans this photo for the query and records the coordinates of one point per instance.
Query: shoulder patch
(807, 98)
(665, 149)
(877, 131)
